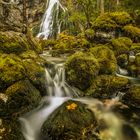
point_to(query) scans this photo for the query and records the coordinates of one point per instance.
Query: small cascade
(58, 92)
(48, 21)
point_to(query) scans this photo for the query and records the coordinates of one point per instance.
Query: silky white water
(58, 92)
(47, 22)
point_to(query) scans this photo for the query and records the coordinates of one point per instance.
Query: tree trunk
(118, 2)
(102, 6)
(25, 24)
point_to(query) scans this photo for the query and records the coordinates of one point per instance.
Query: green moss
(112, 21)
(135, 92)
(70, 124)
(10, 130)
(81, 69)
(11, 70)
(121, 45)
(121, 18)
(36, 74)
(22, 97)
(132, 32)
(106, 59)
(68, 43)
(13, 42)
(137, 60)
(89, 34)
(135, 47)
(104, 86)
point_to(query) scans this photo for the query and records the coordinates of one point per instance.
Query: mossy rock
(22, 97)
(106, 86)
(46, 44)
(13, 42)
(11, 70)
(10, 130)
(36, 74)
(132, 98)
(112, 21)
(132, 32)
(137, 60)
(69, 44)
(81, 69)
(106, 59)
(89, 34)
(122, 60)
(104, 23)
(72, 120)
(135, 47)
(121, 45)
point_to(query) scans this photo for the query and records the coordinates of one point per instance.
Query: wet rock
(10, 130)
(121, 45)
(22, 97)
(106, 86)
(132, 98)
(72, 120)
(11, 70)
(106, 59)
(13, 42)
(81, 69)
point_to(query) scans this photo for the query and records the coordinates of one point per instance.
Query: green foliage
(81, 69)
(121, 45)
(106, 59)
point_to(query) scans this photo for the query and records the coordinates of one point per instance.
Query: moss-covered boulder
(36, 74)
(122, 60)
(135, 47)
(132, 32)
(106, 59)
(81, 69)
(121, 45)
(112, 21)
(69, 44)
(11, 70)
(72, 120)
(106, 86)
(10, 130)
(132, 98)
(13, 42)
(22, 97)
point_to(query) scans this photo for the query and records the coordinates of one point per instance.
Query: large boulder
(10, 130)
(72, 120)
(121, 45)
(13, 42)
(81, 69)
(21, 98)
(132, 98)
(11, 70)
(106, 86)
(106, 59)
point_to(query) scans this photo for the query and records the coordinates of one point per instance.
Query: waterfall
(47, 22)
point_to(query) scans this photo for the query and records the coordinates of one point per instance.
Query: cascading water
(47, 22)
(58, 92)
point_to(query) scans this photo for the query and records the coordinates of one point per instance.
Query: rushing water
(47, 22)
(58, 92)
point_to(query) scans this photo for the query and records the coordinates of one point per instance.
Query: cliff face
(11, 15)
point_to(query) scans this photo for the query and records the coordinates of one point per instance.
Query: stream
(58, 92)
